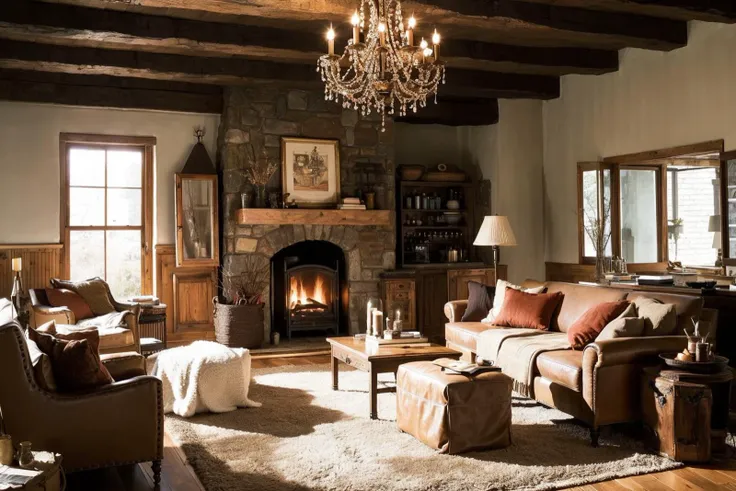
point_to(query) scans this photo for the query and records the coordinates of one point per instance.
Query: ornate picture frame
(310, 171)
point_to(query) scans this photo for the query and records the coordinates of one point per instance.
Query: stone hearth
(260, 116)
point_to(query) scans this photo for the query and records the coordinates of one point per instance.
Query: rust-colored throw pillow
(592, 322)
(59, 297)
(76, 363)
(528, 310)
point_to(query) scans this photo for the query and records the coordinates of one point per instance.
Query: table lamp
(495, 232)
(714, 225)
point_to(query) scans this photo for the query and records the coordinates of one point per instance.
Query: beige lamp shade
(714, 223)
(495, 231)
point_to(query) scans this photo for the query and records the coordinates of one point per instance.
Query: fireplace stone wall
(260, 116)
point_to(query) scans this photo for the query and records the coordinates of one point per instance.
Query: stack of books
(351, 204)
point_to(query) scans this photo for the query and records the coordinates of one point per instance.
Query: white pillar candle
(377, 322)
(369, 320)
(17, 264)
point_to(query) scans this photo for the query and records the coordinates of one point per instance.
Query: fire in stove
(309, 298)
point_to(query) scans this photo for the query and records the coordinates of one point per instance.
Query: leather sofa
(117, 424)
(600, 384)
(113, 338)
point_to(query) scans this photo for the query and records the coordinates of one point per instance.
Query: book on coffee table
(403, 340)
(463, 367)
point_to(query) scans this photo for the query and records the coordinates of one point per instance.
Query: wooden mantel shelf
(269, 216)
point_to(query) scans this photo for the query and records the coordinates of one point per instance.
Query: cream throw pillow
(500, 294)
(660, 319)
(622, 327)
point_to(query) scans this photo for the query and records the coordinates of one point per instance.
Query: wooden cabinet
(458, 279)
(427, 290)
(401, 294)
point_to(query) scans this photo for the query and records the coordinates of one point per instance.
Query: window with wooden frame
(107, 210)
(627, 200)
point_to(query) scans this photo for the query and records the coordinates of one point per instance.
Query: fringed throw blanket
(516, 351)
(203, 376)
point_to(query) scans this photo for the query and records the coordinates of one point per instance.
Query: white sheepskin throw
(202, 377)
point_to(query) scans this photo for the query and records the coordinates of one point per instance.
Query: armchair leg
(156, 466)
(595, 432)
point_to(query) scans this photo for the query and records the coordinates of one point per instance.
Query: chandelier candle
(386, 72)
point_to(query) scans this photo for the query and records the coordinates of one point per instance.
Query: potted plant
(239, 314)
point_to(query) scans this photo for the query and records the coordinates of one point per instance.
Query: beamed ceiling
(178, 54)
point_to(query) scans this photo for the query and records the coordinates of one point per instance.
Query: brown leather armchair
(113, 339)
(121, 423)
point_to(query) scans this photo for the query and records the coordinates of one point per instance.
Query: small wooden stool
(454, 413)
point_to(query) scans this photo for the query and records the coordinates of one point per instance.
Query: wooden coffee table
(385, 359)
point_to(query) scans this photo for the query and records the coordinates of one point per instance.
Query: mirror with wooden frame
(196, 220)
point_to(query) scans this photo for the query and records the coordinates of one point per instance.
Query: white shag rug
(308, 437)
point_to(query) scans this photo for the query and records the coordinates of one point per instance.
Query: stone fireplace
(260, 116)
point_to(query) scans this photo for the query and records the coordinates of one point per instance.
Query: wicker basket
(239, 326)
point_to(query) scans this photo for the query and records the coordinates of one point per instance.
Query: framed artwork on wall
(310, 171)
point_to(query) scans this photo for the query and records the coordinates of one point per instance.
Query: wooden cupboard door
(401, 294)
(457, 280)
(193, 293)
(433, 294)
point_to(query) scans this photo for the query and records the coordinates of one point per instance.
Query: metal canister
(452, 256)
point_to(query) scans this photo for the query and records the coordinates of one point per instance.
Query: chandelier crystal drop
(382, 68)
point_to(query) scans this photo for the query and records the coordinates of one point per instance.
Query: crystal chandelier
(382, 69)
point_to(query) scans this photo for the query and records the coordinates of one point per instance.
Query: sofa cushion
(686, 306)
(480, 301)
(465, 334)
(622, 327)
(593, 321)
(43, 372)
(116, 337)
(500, 295)
(528, 310)
(107, 321)
(94, 291)
(578, 299)
(563, 367)
(61, 297)
(660, 319)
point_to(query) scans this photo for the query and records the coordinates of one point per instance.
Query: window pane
(731, 183)
(690, 231)
(86, 206)
(124, 168)
(86, 254)
(639, 215)
(86, 167)
(608, 246)
(124, 263)
(197, 223)
(123, 207)
(590, 209)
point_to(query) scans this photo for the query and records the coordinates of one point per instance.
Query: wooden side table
(50, 478)
(152, 326)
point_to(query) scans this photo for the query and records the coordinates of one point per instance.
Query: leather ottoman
(453, 413)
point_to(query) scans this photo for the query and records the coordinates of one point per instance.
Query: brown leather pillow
(591, 323)
(480, 301)
(528, 310)
(59, 297)
(76, 363)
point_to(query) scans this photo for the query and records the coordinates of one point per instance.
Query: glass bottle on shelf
(425, 201)
(417, 201)
(408, 202)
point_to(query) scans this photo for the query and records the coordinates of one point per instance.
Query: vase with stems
(597, 228)
(259, 171)
(260, 196)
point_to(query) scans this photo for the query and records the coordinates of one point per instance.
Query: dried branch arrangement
(260, 171)
(598, 228)
(246, 287)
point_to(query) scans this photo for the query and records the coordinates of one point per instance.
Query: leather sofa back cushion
(528, 310)
(480, 301)
(76, 365)
(592, 322)
(61, 297)
(94, 291)
(578, 299)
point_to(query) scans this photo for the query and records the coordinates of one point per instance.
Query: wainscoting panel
(41, 262)
(187, 293)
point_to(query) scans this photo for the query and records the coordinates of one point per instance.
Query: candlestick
(382, 33)
(436, 41)
(410, 31)
(356, 27)
(17, 264)
(331, 41)
(424, 46)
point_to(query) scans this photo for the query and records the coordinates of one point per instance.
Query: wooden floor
(177, 475)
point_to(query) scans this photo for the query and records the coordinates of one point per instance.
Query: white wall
(509, 154)
(29, 161)
(656, 100)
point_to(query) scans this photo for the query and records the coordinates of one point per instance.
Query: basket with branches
(247, 286)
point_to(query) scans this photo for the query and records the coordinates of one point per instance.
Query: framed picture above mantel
(310, 171)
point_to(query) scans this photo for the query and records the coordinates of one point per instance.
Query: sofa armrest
(455, 309)
(622, 351)
(131, 320)
(123, 366)
(42, 314)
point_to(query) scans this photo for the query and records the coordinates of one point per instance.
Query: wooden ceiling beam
(505, 21)
(79, 26)
(16, 55)
(106, 91)
(703, 10)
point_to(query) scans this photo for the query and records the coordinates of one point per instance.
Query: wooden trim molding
(254, 216)
(107, 139)
(645, 158)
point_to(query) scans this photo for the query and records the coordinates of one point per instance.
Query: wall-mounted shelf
(271, 216)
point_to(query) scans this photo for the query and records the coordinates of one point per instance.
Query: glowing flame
(301, 295)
